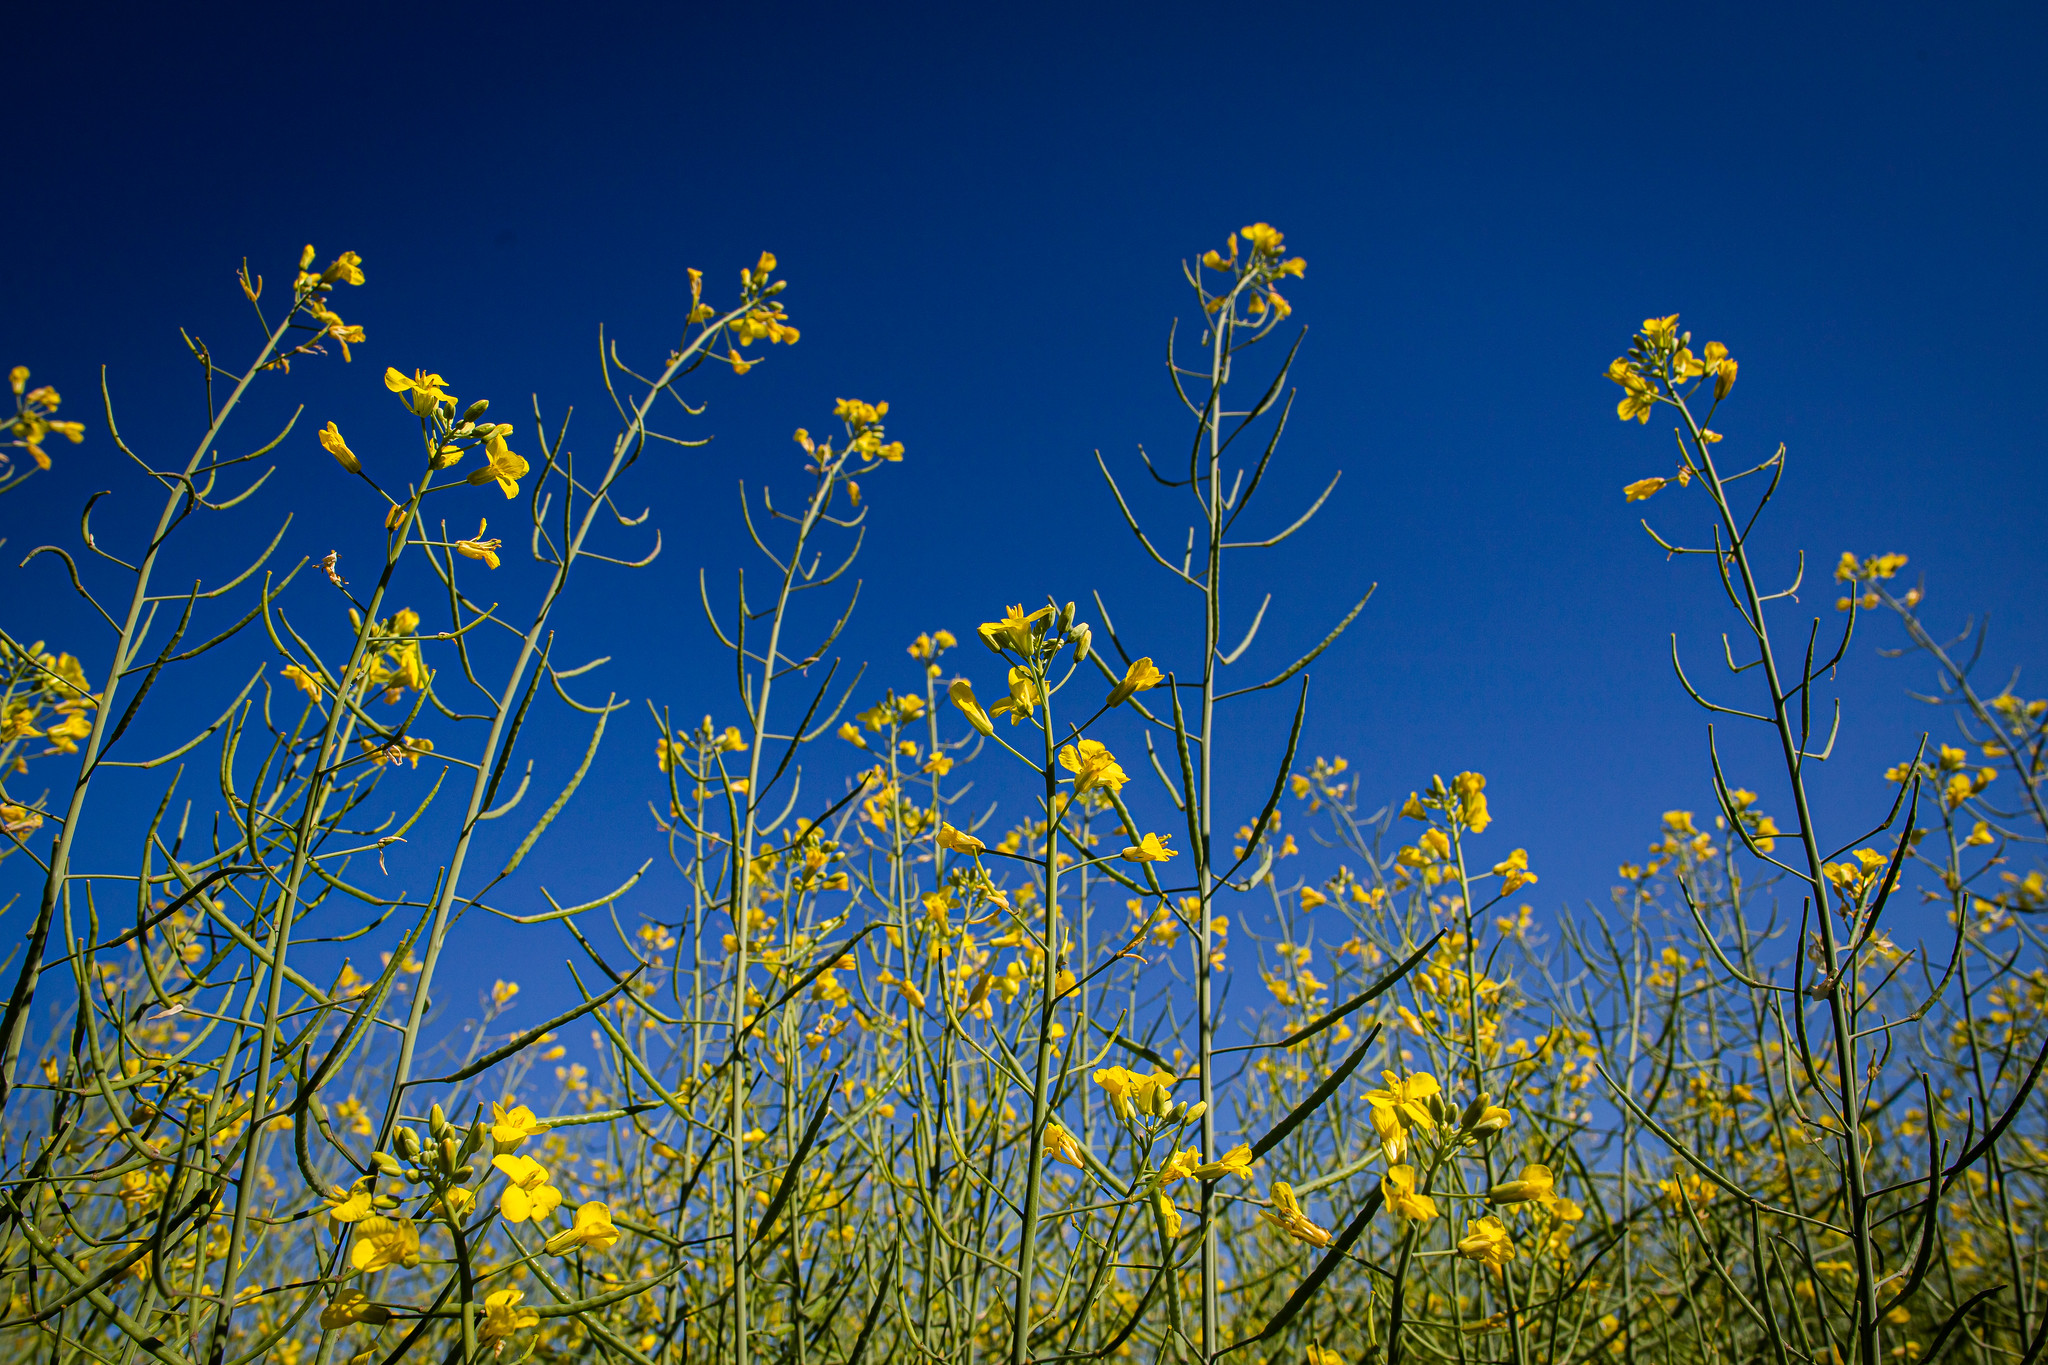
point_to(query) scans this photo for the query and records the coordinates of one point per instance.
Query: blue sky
(983, 212)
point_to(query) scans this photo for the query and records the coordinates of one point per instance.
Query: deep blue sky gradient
(983, 211)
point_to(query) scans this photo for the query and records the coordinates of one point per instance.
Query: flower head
(351, 1205)
(959, 842)
(1139, 677)
(527, 1192)
(350, 1307)
(593, 1228)
(1026, 695)
(1487, 1243)
(1093, 766)
(1398, 1186)
(382, 1243)
(962, 693)
(505, 468)
(423, 391)
(1536, 1183)
(330, 440)
(1286, 1215)
(1061, 1145)
(1169, 1216)
(1236, 1161)
(503, 1316)
(1150, 849)
(476, 547)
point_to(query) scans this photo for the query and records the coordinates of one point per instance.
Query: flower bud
(386, 1163)
(475, 411)
(962, 693)
(1474, 1110)
(1195, 1111)
(1492, 1121)
(437, 1121)
(1066, 618)
(330, 440)
(450, 1154)
(1082, 642)
(408, 1144)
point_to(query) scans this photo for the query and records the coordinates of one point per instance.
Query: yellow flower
(1412, 808)
(503, 1316)
(1116, 1083)
(1514, 871)
(1236, 1161)
(1015, 631)
(1131, 1093)
(351, 1205)
(1642, 488)
(347, 268)
(1471, 790)
(1179, 1166)
(1263, 238)
(1715, 360)
(304, 681)
(1398, 1186)
(1150, 849)
(385, 1242)
(1286, 1214)
(1025, 696)
(350, 1307)
(19, 820)
(1092, 766)
(1311, 898)
(593, 1229)
(330, 438)
(1139, 677)
(424, 390)
(1169, 1216)
(528, 1194)
(1492, 1119)
(1061, 1145)
(476, 547)
(1406, 1100)
(458, 1202)
(1487, 1243)
(1535, 1183)
(959, 842)
(962, 693)
(510, 1127)
(505, 468)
